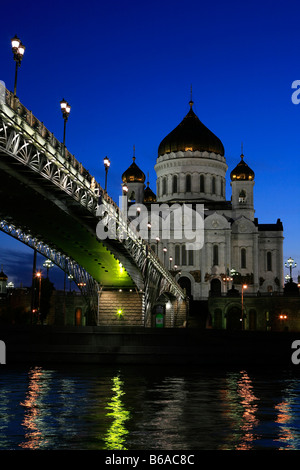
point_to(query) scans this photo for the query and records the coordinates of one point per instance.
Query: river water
(148, 408)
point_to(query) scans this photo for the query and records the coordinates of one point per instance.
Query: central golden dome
(191, 134)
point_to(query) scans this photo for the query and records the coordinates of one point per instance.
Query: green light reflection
(115, 438)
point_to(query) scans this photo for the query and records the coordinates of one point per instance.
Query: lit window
(242, 196)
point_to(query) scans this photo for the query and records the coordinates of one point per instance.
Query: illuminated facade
(238, 249)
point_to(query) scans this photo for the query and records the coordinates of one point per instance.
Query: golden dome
(3, 276)
(191, 134)
(242, 172)
(149, 195)
(133, 174)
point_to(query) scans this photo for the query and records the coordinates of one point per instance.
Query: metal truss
(87, 285)
(25, 139)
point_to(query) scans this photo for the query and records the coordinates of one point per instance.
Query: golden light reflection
(242, 409)
(31, 422)
(286, 435)
(115, 438)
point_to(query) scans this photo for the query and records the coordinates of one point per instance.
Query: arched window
(202, 188)
(158, 187)
(269, 261)
(177, 255)
(222, 187)
(191, 257)
(242, 196)
(174, 185)
(243, 258)
(188, 183)
(164, 186)
(215, 255)
(183, 255)
(213, 185)
(132, 196)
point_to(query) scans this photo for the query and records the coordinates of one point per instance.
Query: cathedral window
(202, 189)
(243, 258)
(242, 196)
(177, 255)
(183, 255)
(164, 186)
(215, 255)
(188, 183)
(213, 185)
(191, 257)
(269, 261)
(174, 184)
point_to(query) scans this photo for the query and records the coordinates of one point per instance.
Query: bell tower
(242, 183)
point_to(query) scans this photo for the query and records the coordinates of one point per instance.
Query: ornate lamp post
(106, 162)
(157, 242)
(48, 265)
(65, 109)
(244, 286)
(290, 263)
(18, 50)
(165, 251)
(39, 277)
(70, 277)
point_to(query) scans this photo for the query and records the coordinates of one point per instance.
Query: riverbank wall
(108, 345)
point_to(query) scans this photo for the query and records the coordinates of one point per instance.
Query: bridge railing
(73, 165)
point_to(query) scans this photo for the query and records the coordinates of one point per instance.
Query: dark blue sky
(126, 68)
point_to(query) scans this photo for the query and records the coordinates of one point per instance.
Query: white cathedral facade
(238, 249)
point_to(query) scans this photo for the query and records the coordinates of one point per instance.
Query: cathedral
(238, 252)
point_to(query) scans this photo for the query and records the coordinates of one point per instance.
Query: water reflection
(107, 408)
(33, 411)
(240, 409)
(116, 434)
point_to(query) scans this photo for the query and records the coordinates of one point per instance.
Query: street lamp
(48, 264)
(170, 259)
(70, 277)
(165, 251)
(290, 263)
(65, 109)
(157, 242)
(244, 286)
(106, 162)
(38, 275)
(18, 50)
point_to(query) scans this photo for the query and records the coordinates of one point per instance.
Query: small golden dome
(3, 276)
(133, 174)
(149, 195)
(242, 172)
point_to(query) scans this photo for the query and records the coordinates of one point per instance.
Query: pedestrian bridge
(49, 201)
